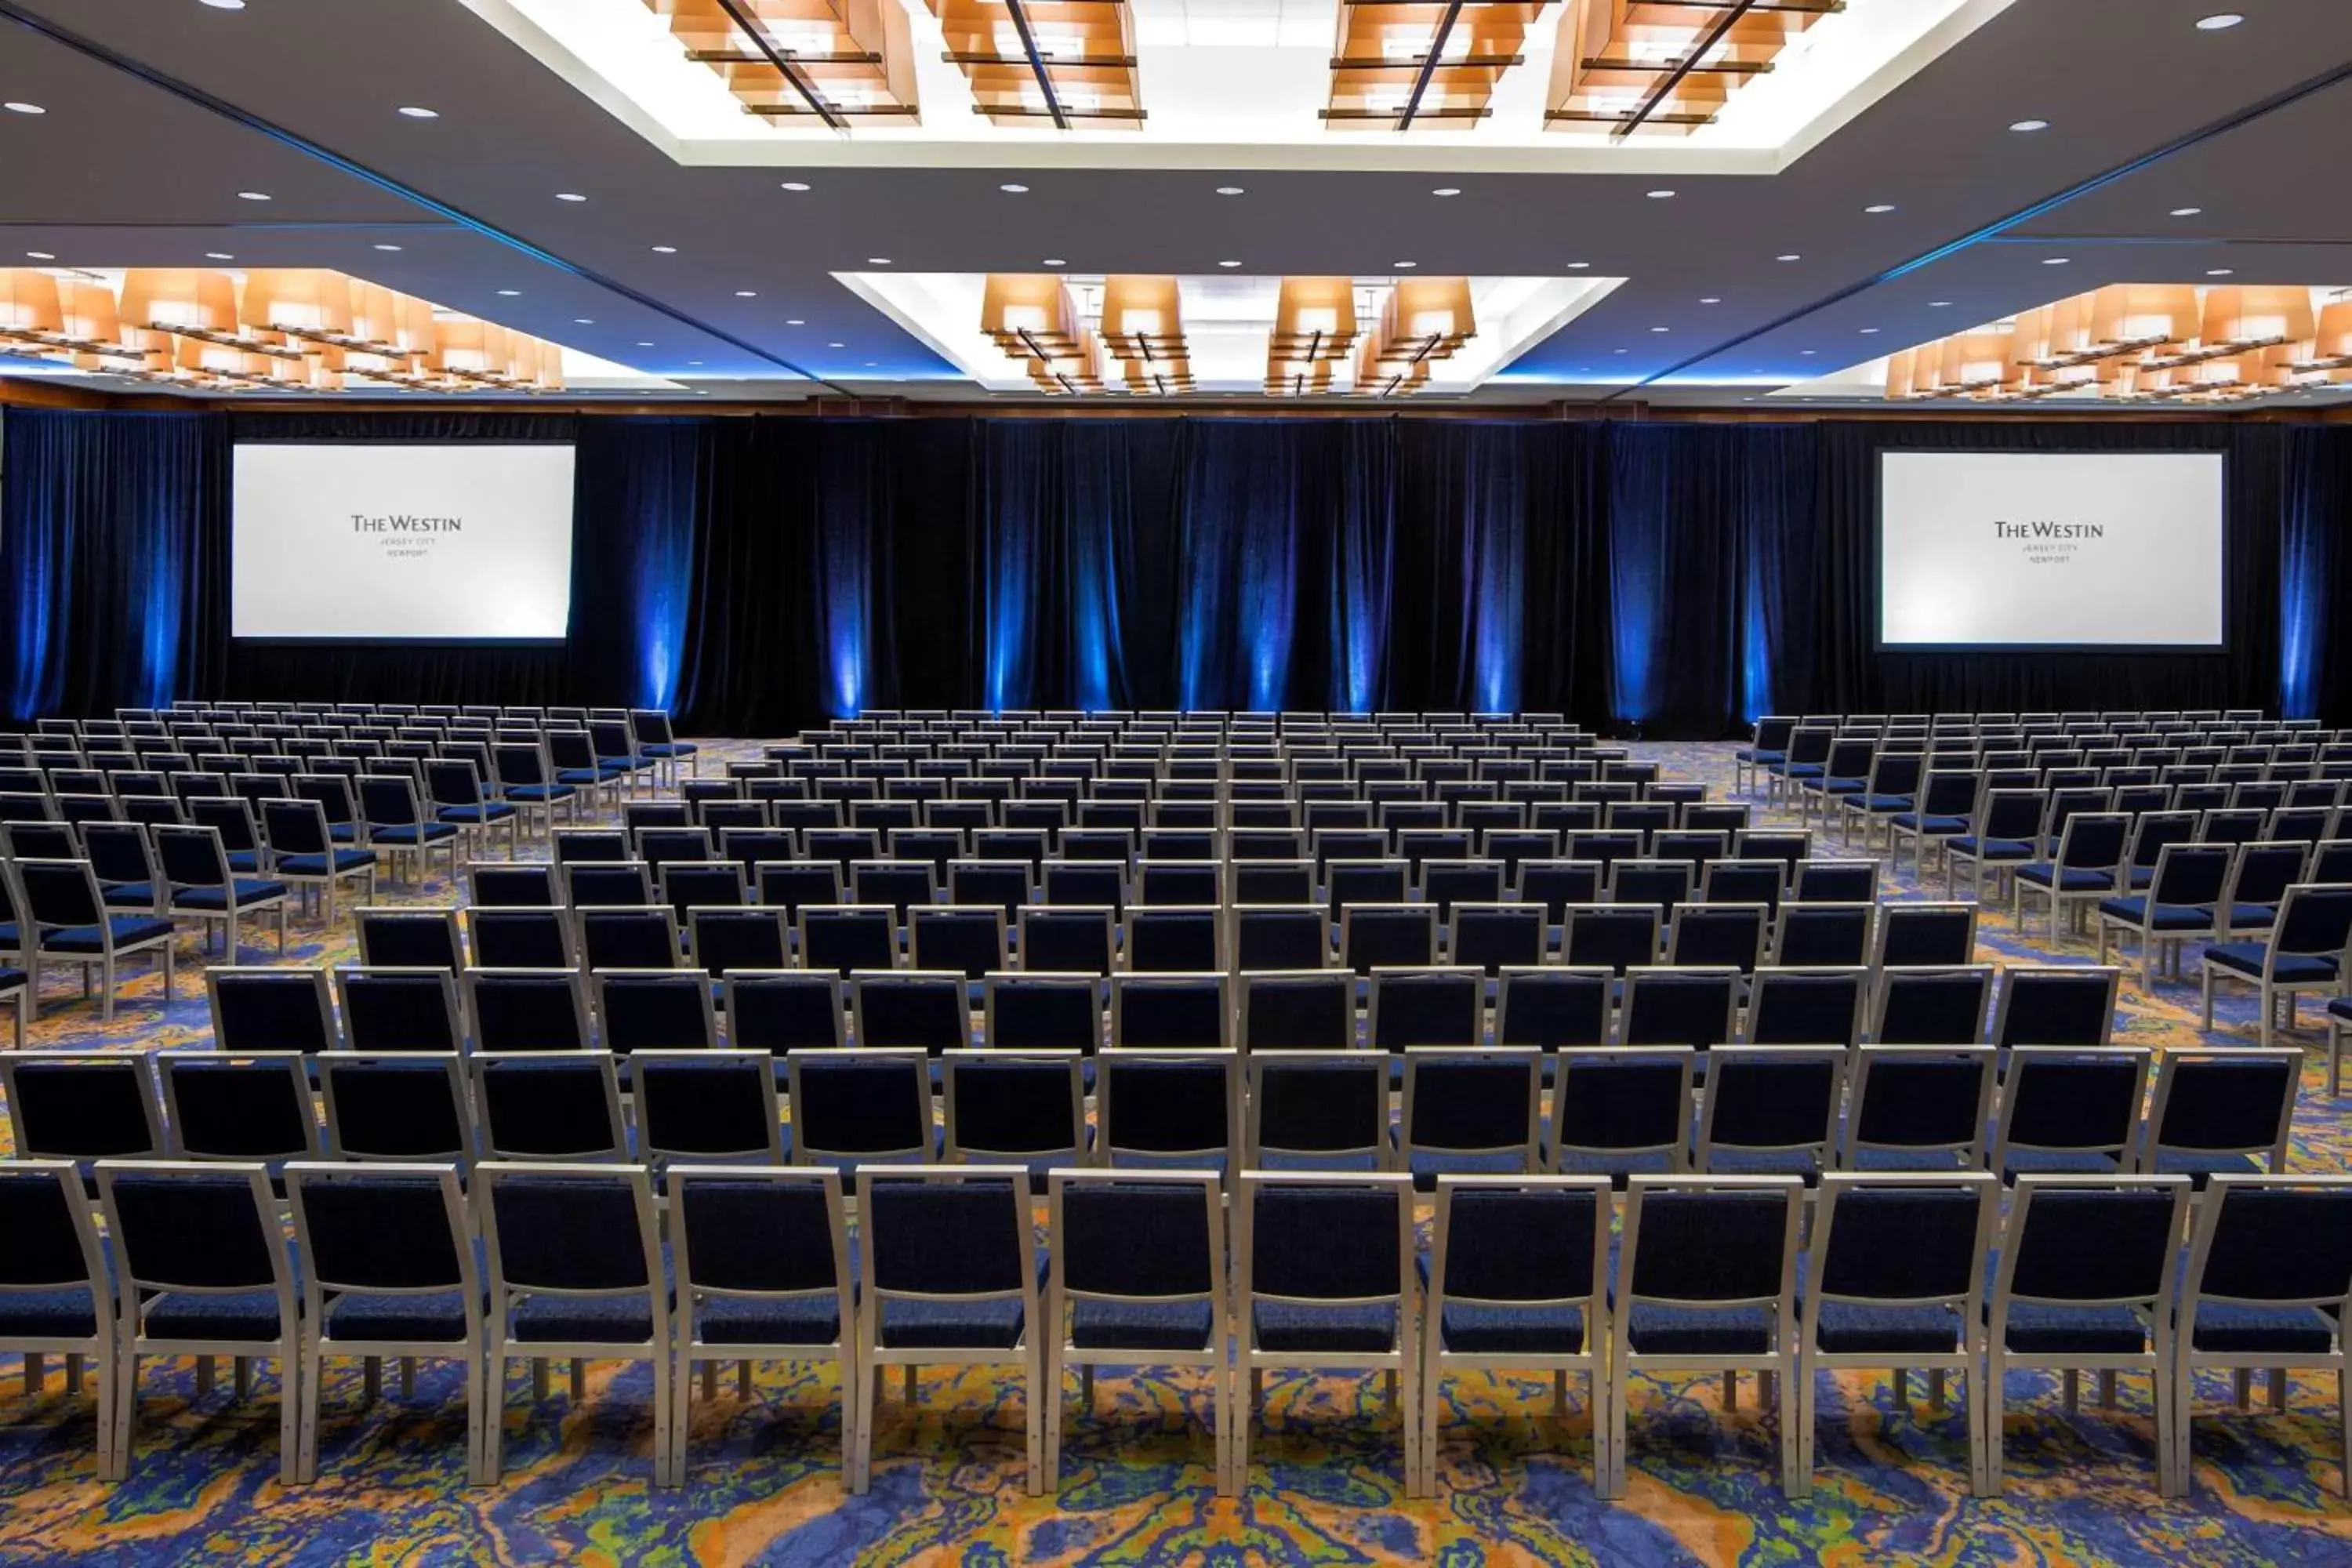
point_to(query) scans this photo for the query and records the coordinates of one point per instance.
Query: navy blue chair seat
(1853, 1328)
(2142, 875)
(361, 1315)
(244, 862)
(411, 833)
(10, 978)
(2341, 1007)
(47, 1314)
(668, 748)
(316, 864)
(125, 896)
(197, 1315)
(813, 1320)
(343, 832)
(2167, 916)
(489, 811)
(2059, 1162)
(2036, 1330)
(1898, 803)
(536, 791)
(1995, 849)
(1295, 1327)
(249, 890)
(127, 930)
(2263, 1329)
(1541, 1328)
(1933, 822)
(1142, 1325)
(617, 1320)
(992, 1323)
(2199, 1165)
(1654, 1329)
(2069, 878)
(2246, 957)
(1802, 1163)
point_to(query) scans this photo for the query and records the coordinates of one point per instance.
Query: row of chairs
(380, 1009)
(1323, 1273)
(974, 939)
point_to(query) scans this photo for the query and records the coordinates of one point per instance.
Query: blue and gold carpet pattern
(1325, 1486)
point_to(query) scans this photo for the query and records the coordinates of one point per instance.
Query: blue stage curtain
(113, 590)
(639, 485)
(2314, 571)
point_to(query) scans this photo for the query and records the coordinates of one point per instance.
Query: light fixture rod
(757, 32)
(1429, 63)
(1657, 93)
(1020, 16)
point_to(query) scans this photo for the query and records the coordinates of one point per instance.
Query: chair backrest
(270, 1010)
(1679, 1006)
(1426, 1006)
(867, 1105)
(2071, 1103)
(1175, 938)
(1553, 1007)
(1043, 1011)
(1621, 936)
(1710, 1241)
(560, 1229)
(642, 937)
(400, 1010)
(81, 1106)
(408, 1105)
(2090, 1240)
(2095, 841)
(295, 828)
(1814, 1006)
(1075, 940)
(1918, 1107)
(1513, 1241)
(1780, 1101)
(781, 1010)
(549, 1105)
(1472, 1102)
(2191, 874)
(504, 884)
(220, 1105)
(1015, 1106)
(2270, 1241)
(2314, 921)
(1319, 1107)
(200, 1229)
(1162, 1108)
(655, 1009)
(2056, 1004)
(2265, 873)
(52, 1244)
(970, 940)
(701, 1104)
(410, 939)
(1823, 935)
(1279, 937)
(62, 893)
(1322, 1239)
(386, 1230)
(1160, 1012)
(527, 1010)
(845, 938)
(749, 1231)
(948, 1233)
(1612, 1105)
(1311, 1009)
(1933, 1007)
(2233, 1101)
(1894, 1241)
(1919, 934)
(910, 1007)
(1128, 1236)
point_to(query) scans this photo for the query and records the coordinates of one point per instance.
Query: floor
(764, 1486)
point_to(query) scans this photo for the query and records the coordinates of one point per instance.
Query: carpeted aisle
(1324, 1488)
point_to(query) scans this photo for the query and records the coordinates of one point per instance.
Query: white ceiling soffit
(1231, 84)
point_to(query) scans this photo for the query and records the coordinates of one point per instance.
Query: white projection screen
(2051, 550)
(390, 542)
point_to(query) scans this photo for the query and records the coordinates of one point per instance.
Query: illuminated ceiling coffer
(1666, 65)
(2141, 342)
(1067, 64)
(274, 329)
(1398, 65)
(831, 61)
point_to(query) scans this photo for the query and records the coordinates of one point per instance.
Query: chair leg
(665, 1427)
(681, 1413)
(289, 1413)
(1995, 1445)
(126, 1404)
(494, 1416)
(479, 1417)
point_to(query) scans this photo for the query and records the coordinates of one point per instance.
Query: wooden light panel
(1666, 67)
(830, 62)
(1397, 64)
(1065, 64)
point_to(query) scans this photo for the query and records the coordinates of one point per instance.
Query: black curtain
(761, 574)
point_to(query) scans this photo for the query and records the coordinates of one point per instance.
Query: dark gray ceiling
(2148, 113)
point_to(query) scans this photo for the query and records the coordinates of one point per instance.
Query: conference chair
(1169, 1012)
(497, 883)
(201, 1270)
(395, 823)
(947, 1274)
(1814, 1006)
(650, 732)
(1043, 1013)
(1770, 1110)
(2090, 865)
(2224, 1112)
(763, 1273)
(64, 918)
(1327, 1283)
(1895, 1275)
(199, 882)
(1914, 935)
(1706, 1282)
(56, 1293)
(1946, 808)
(576, 1271)
(1169, 1109)
(303, 853)
(549, 1105)
(388, 1269)
(2069, 1111)
(387, 1010)
(456, 789)
(1917, 1107)
(2087, 1280)
(1024, 1107)
(2265, 1288)
(1518, 1279)
(2306, 951)
(2181, 903)
(401, 1108)
(2007, 834)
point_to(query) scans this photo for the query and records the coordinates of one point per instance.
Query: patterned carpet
(1325, 1486)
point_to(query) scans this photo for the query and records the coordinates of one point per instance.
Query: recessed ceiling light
(253, 195)
(2187, 211)
(1229, 190)
(2030, 125)
(413, 113)
(20, 108)
(701, 392)
(1053, 262)
(219, 255)
(1578, 266)
(1617, 351)
(1788, 255)
(796, 184)
(41, 255)
(1404, 266)
(1660, 196)
(1938, 304)
(746, 293)
(569, 196)
(2219, 271)
(690, 363)
(387, 248)
(1014, 190)
(1710, 300)
(835, 345)
(1875, 207)
(1229, 264)
(877, 261)
(503, 293)
(1866, 332)
(1809, 352)
(1661, 329)
(583, 322)
(794, 322)
(224, 4)
(664, 250)
(870, 365)
(1446, 190)
(2055, 260)
(2218, 21)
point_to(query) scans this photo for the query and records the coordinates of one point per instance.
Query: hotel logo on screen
(2044, 541)
(405, 523)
